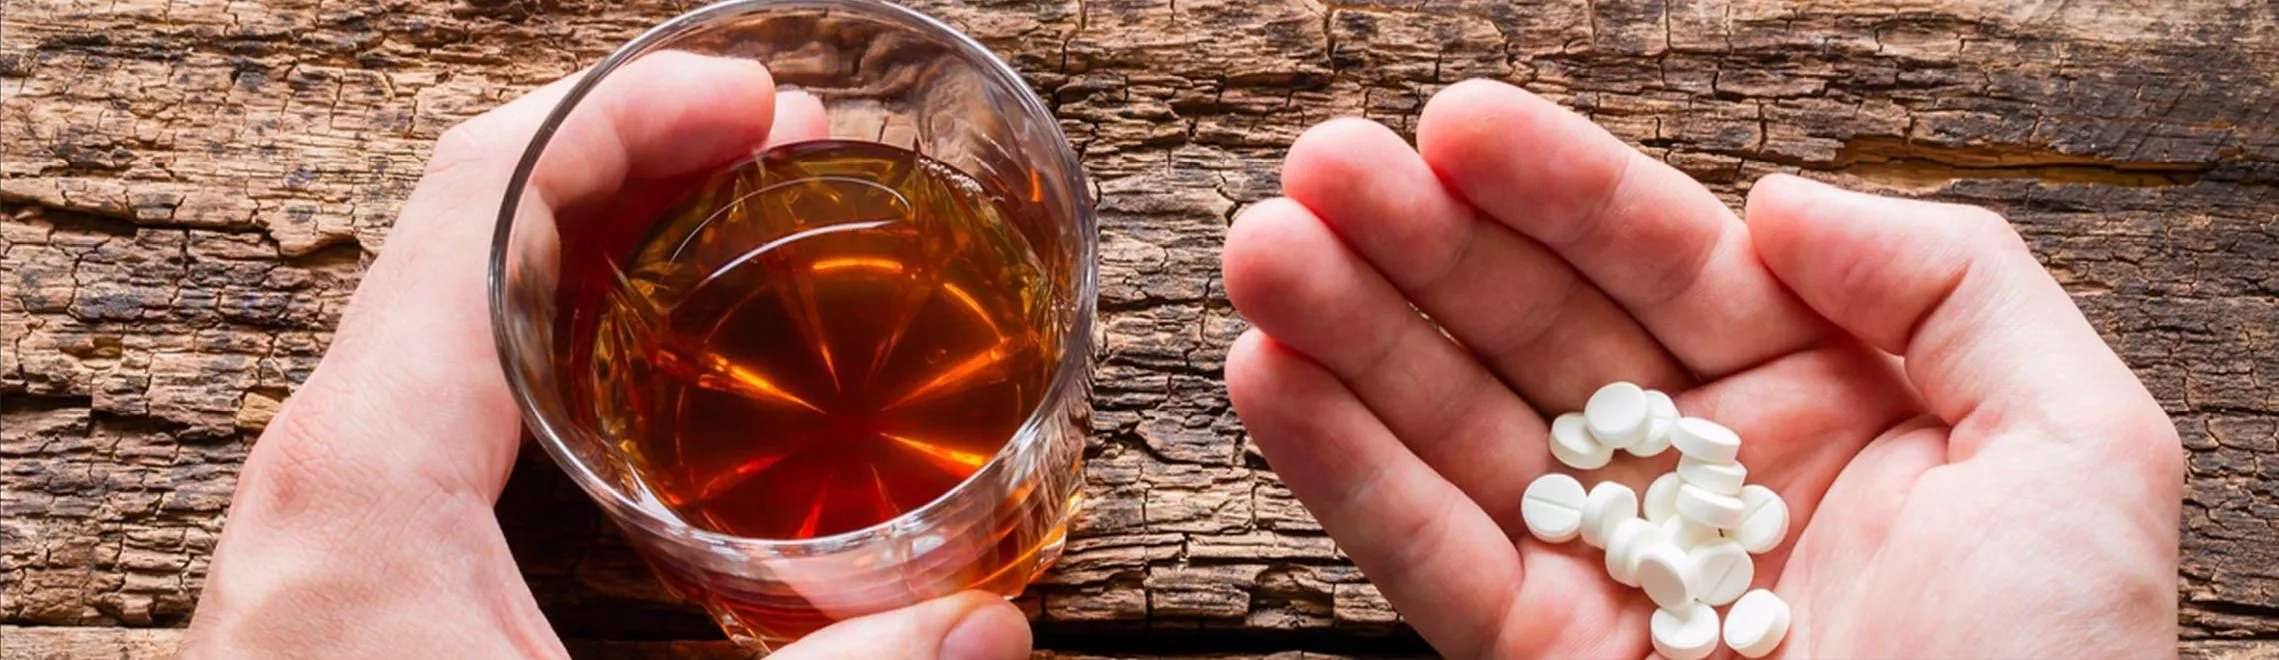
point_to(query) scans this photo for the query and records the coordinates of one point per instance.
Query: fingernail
(990, 631)
(1791, 179)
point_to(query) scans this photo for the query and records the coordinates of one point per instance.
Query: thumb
(1994, 345)
(966, 626)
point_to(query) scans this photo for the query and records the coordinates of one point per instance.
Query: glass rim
(625, 509)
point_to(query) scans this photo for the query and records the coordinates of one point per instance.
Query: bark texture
(193, 186)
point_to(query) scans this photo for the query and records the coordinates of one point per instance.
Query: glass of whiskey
(836, 375)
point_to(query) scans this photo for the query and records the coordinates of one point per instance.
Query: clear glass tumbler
(884, 74)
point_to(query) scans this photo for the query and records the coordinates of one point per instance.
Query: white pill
(1573, 446)
(1616, 414)
(1552, 507)
(1661, 418)
(1707, 508)
(1622, 550)
(1706, 440)
(1660, 406)
(1666, 575)
(1657, 440)
(1764, 519)
(1719, 478)
(1661, 501)
(1686, 633)
(1756, 624)
(1721, 571)
(1608, 504)
(1686, 534)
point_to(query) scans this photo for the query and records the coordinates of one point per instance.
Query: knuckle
(2159, 447)
(464, 143)
(298, 469)
(287, 479)
(1987, 227)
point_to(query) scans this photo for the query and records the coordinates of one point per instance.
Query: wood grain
(192, 188)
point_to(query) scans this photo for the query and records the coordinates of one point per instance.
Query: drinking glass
(884, 74)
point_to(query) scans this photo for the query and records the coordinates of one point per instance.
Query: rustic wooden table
(193, 186)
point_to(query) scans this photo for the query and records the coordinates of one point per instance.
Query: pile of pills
(1688, 544)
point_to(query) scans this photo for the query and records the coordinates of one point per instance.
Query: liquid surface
(819, 340)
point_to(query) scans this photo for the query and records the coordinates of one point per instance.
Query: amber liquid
(816, 341)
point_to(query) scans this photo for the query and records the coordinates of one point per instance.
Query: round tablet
(1661, 501)
(1686, 534)
(1719, 478)
(1706, 440)
(1616, 414)
(1552, 507)
(1721, 571)
(1764, 519)
(1666, 575)
(1573, 446)
(1685, 633)
(1657, 440)
(1607, 505)
(1661, 406)
(1707, 508)
(1661, 419)
(1756, 624)
(1622, 550)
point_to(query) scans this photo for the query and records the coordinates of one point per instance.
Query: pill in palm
(1720, 478)
(1684, 633)
(1711, 509)
(1687, 539)
(1552, 507)
(1756, 624)
(1617, 414)
(1661, 500)
(1706, 440)
(1661, 418)
(1685, 534)
(1573, 445)
(1721, 571)
(1607, 505)
(1622, 548)
(1764, 519)
(1666, 575)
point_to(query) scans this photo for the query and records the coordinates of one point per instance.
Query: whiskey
(816, 341)
(820, 340)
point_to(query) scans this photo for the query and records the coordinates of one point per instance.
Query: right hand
(1971, 471)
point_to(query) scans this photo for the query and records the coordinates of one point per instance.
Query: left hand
(1971, 471)
(362, 525)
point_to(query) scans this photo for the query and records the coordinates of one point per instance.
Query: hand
(1971, 471)
(362, 524)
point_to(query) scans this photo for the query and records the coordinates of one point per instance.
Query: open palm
(2005, 489)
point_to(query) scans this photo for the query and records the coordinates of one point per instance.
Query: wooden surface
(192, 186)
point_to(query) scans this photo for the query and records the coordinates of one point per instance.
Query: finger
(722, 108)
(1291, 278)
(1993, 343)
(1553, 336)
(967, 626)
(1653, 239)
(799, 117)
(1436, 556)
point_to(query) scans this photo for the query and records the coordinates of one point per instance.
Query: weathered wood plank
(192, 187)
(77, 643)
